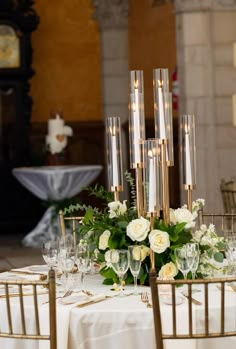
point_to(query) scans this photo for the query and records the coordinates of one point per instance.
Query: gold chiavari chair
(206, 330)
(24, 334)
(228, 191)
(75, 220)
(225, 223)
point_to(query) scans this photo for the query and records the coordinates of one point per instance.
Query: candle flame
(160, 83)
(136, 84)
(186, 128)
(112, 130)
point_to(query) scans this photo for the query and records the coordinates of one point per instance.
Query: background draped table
(121, 322)
(53, 183)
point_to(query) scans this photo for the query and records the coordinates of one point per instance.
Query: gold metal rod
(74, 232)
(139, 191)
(36, 310)
(22, 309)
(165, 185)
(8, 309)
(116, 195)
(189, 200)
(62, 224)
(152, 254)
(52, 308)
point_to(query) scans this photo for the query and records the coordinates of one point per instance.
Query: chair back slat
(206, 304)
(8, 309)
(36, 311)
(194, 321)
(225, 223)
(22, 309)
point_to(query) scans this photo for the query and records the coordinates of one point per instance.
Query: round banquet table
(119, 322)
(53, 183)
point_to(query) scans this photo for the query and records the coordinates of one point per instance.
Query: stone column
(112, 17)
(205, 31)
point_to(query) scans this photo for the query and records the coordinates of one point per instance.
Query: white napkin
(63, 317)
(33, 269)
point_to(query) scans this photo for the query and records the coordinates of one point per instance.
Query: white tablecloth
(53, 183)
(124, 322)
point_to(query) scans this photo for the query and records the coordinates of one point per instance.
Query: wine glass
(67, 258)
(120, 265)
(193, 250)
(83, 261)
(230, 253)
(50, 253)
(135, 255)
(184, 258)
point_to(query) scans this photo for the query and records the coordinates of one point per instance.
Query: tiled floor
(13, 254)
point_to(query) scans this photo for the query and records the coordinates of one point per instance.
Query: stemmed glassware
(83, 261)
(120, 263)
(67, 257)
(193, 250)
(184, 259)
(50, 251)
(135, 255)
(230, 253)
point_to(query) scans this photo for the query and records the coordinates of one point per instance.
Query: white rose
(103, 240)
(159, 240)
(182, 215)
(138, 229)
(168, 271)
(107, 257)
(116, 208)
(145, 251)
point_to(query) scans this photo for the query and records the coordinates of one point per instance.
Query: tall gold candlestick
(152, 253)
(116, 195)
(189, 189)
(165, 183)
(139, 190)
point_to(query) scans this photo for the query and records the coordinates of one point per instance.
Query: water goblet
(50, 253)
(83, 261)
(120, 265)
(184, 261)
(67, 259)
(193, 250)
(135, 255)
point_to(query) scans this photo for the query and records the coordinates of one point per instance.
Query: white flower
(159, 240)
(138, 229)
(168, 271)
(103, 240)
(116, 208)
(145, 251)
(198, 204)
(107, 257)
(182, 215)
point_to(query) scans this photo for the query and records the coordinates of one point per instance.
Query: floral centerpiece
(117, 226)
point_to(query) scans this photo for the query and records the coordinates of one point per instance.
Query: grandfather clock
(18, 20)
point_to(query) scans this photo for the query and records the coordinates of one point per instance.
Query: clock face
(9, 47)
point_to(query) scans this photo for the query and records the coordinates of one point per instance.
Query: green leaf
(122, 224)
(219, 257)
(108, 282)
(113, 243)
(179, 227)
(108, 273)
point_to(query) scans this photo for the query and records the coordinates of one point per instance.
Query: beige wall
(67, 61)
(67, 55)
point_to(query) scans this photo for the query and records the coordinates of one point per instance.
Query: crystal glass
(83, 261)
(50, 253)
(66, 261)
(193, 250)
(184, 259)
(120, 264)
(135, 255)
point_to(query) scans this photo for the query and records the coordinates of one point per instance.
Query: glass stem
(82, 281)
(121, 285)
(135, 285)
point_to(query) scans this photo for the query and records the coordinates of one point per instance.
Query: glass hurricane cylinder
(160, 90)
(188, 150)
(114, 155)
(151, 178)
(169, 128)
(137, 118)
